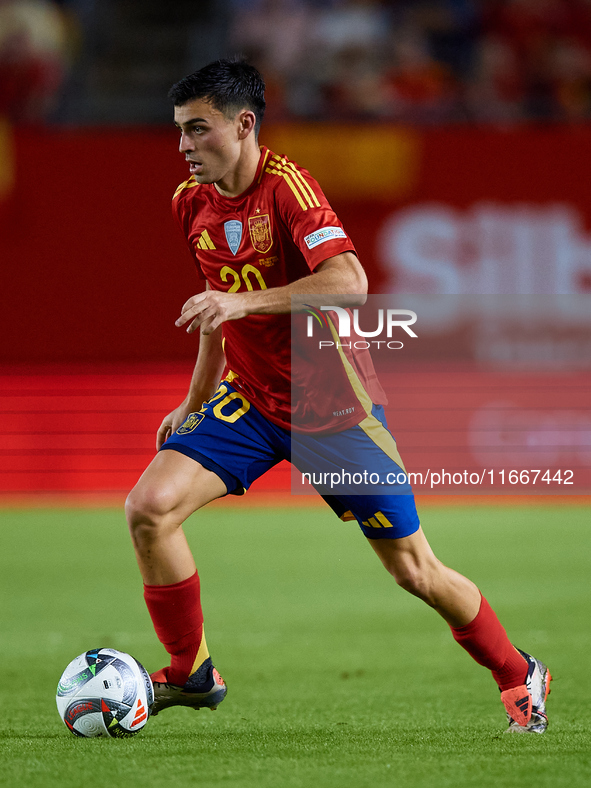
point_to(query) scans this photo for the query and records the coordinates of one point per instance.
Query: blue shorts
(358, 471)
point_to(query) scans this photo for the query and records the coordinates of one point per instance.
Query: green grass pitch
(336, 676)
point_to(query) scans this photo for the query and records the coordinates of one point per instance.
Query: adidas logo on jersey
(205, 241)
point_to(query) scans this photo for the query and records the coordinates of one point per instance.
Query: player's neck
(242, 175)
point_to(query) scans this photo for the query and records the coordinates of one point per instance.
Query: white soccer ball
(105, 692)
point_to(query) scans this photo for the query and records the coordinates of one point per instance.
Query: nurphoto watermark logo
(387, 321)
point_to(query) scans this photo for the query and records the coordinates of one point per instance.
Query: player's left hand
(210, 309)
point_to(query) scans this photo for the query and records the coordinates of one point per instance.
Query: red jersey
(274, 233)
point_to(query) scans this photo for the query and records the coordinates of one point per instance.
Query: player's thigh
(173, 484)
(231, 438)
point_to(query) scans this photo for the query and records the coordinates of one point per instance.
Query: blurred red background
(95, 271)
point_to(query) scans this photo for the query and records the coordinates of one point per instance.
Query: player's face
(210, 141)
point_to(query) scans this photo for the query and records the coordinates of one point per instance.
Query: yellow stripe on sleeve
(289, 172)
(306, 190)
(306, 185)
(190, 184)
(291, 185)
(297, 190)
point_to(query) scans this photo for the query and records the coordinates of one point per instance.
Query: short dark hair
(230, 84)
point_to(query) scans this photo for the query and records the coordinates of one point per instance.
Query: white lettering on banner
(490, 248)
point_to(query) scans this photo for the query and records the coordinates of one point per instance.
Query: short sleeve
(314, 226)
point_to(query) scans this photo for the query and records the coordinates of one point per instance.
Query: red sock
(487, 642)
(176, 613)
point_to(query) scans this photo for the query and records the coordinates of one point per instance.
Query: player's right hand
(171, 423)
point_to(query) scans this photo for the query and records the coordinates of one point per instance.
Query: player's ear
(246, 123)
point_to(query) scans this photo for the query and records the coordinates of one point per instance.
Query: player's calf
(415, 568)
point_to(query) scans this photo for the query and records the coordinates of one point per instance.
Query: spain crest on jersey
(191, 422)
(260, 232)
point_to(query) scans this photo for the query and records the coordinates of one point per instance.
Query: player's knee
(415, 578)
(148, 509)
(411, 580)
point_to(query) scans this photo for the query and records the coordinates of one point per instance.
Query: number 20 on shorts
(219, 407)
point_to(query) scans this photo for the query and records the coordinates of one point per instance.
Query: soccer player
(260, 230)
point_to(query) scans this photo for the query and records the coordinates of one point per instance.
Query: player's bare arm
(340, 275)
(204, 381)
